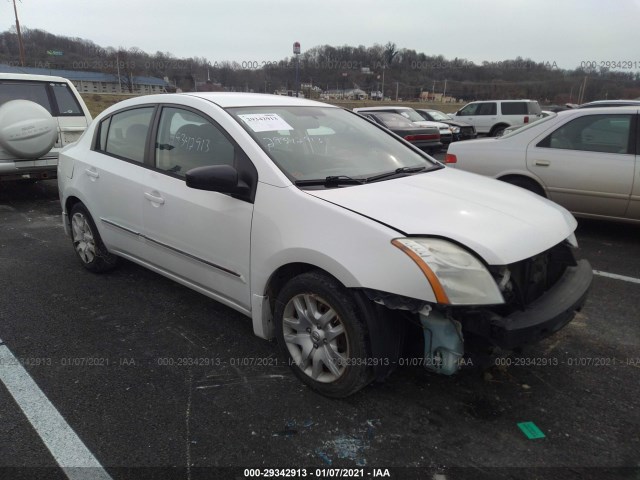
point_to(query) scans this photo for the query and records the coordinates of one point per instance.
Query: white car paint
(347, 232)
(596, 184)
(467, 205)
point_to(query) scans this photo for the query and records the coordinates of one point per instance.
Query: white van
(39, 115)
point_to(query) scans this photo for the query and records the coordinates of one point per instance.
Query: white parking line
(616, 276)
(77, 462)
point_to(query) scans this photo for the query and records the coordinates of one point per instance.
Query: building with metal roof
(98, 82)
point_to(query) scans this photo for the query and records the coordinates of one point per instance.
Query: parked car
(460, 130)
(425, 138)
(446, 132)
(583, 159)
(493, 116)
(610, 103)
(332, 234)
(38, 116)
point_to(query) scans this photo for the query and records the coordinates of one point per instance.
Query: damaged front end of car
(537, 297)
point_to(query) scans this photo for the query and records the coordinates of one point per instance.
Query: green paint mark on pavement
(530, 430)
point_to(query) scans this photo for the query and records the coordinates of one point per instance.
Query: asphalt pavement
(158, 381)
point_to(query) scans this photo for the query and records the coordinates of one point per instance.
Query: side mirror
(216, 178)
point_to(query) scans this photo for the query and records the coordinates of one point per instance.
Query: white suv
(491, 117)
(39, 115)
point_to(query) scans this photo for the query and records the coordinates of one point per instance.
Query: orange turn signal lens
(436, 286)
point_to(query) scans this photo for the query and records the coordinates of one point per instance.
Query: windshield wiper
(331, 181)
(336, 181)
(397, 171)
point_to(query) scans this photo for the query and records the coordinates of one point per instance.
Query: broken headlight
(456, 276)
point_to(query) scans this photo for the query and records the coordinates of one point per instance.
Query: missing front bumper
(543, 317)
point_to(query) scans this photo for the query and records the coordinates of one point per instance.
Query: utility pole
(444, 92)
(296, 52)
(584, 89)
(382, 97)
(20, 44)
(118, 67)
(397, 83)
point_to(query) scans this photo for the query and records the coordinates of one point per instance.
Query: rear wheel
(319, 330)
(87, 243)
(525, 183)
(498, 130)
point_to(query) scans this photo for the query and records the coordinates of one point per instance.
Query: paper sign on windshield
(265, 122)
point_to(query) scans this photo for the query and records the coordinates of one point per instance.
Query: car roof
(239, 99)
(610, 103)
(517, 100)
(394, 114)
(33, 78)
(381, 108)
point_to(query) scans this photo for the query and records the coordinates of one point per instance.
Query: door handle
(154, 198)
(543, 163)
(92, 172)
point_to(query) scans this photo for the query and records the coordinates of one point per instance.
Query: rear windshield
(438, 115)
(57, 98)
(394, 120)
(35, 92)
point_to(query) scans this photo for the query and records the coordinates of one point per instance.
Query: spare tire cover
(27, 129)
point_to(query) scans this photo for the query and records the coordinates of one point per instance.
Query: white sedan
(334, 235)
(584, 159)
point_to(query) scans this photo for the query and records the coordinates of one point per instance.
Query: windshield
(529, 125)
(318, 142)
(437, 115)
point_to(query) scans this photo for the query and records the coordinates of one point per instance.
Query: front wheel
(525, 183)
(319, 329)
(87, 243)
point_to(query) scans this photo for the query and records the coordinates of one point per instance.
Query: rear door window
(592, 133)
(126, 135)
(487, 108)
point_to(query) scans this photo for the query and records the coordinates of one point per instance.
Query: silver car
(584, 159)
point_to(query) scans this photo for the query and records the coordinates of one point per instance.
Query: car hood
(502, 223)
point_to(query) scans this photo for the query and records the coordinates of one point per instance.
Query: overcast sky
(567, 32)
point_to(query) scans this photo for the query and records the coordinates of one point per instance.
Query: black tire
(525, 183)
(498, 130)
(87, 244)
(338, 334)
